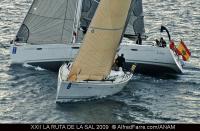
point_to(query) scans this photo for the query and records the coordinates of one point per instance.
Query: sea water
(27, 94)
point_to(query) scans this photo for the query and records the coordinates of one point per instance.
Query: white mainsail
(48, 22)
(96, 56)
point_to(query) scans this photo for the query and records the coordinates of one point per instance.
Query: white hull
(80, 91)
(51, 56)
(149, 58)
(48, 56)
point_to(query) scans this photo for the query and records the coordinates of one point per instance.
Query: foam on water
(33, 67)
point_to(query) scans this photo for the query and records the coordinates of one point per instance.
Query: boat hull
(47, 56)
(87, 90)
(148, 58)
(151, 59)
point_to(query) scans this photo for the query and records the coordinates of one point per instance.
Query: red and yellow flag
(183, 51)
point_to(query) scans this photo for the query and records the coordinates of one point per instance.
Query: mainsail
(102, 39)
(49, 22)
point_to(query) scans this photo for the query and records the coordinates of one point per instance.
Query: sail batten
(48, 22)
(96, 56)
(111, 29)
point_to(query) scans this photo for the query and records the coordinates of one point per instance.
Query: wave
(33, 67)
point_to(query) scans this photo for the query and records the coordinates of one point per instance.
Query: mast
(77, 21)
(78, 15)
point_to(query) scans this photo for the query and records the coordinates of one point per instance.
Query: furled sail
(96, 56)
(136, 20)
(48, 22)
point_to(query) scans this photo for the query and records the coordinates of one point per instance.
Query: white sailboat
(46, 36)
(90, 75)
(46, 33)
(50, 45)
(151, 59)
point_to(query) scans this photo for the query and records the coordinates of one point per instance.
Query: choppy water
(27, 94)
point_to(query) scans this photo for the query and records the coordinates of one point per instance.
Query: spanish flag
(183, 51)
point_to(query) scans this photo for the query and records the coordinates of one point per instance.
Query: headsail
(49, 21)
(88, 10)
(136, 20)
(102, 39)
